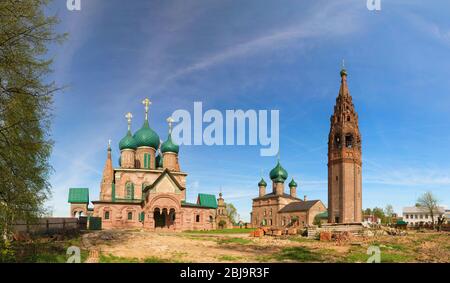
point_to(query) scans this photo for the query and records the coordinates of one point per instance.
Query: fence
(51, 225)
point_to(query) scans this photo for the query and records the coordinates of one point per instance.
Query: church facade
(148, 189)
(278, 209)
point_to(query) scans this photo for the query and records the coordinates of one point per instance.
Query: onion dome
(262, 183)
(278, 174)
(146, 137)
(169, 146)
(292, 183)
(128, 142)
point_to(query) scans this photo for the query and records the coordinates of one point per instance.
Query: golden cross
(170, 121)
(129, 116)
(147, 104)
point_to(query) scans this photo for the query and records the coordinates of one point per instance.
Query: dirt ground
(144, 246)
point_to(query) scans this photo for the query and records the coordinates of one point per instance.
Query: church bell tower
(344, 160)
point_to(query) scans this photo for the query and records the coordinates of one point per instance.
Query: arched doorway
(159, 217)
(164, 218)
(172, 216)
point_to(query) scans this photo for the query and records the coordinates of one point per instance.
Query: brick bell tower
(344, 160)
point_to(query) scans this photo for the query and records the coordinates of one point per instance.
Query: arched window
(349, 140)
(197, 218)
(211, 219)
(146, 160)
(130, 215)
(129, 190)
(337, 140)
(106, 215)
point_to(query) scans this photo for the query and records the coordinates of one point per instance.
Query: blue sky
(258, 55)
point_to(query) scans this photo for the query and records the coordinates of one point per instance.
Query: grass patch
(223, 231)
(228, 258)
(354, 257)
(116, 259)
(240, 241)
(44, 251)
(154, 259)
(391, 254)
(298, 254)
(300, 239)
(197, 238)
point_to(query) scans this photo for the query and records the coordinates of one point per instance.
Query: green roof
(206, 200)
(79, 195)
(128, 142)
(146, 137)
(292, 183)
(278, 174)
(262, 183)
(401, 222)
(323, 215)
(169, 146)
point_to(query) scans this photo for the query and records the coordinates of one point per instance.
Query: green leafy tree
(430, 203)
(232, 213)
(389, 212)
(379, 213)
(26, 94)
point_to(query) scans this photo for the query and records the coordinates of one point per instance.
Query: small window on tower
(106, 215)
(348, 118)
(130, 215)
(349, 141)
(337, 140)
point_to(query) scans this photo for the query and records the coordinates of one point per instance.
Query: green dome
(278, 174)
(262, 183)
(146, 137)
(159, 161)
(128, 142)
(292, 183)
(169, 146)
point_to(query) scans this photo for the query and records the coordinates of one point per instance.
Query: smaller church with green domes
(148, 189)
(277, 209)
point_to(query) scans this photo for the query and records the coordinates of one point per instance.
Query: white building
(415, 215)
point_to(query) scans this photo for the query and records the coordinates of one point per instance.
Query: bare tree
(429, 202)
